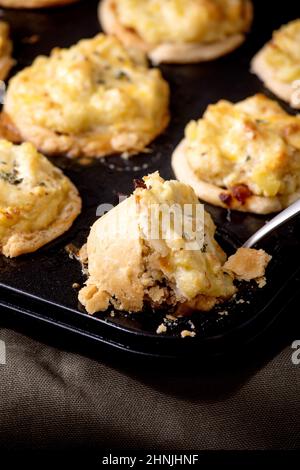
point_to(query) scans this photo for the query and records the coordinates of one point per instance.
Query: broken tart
(134, 259)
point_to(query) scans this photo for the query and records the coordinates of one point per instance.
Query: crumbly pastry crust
(34, 3)
(6, 60)
(102, 139)
(90, 145)
(255, 168)
(8, 130)
(17, 241)
(107, 279)
(183, 53)
(247, 264)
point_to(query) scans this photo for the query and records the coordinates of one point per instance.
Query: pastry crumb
(223, 313)
(187, 333)
(171, 317)
(75, 285)
(125, 155)
(247, 264)
(261, 282)
(161, 329)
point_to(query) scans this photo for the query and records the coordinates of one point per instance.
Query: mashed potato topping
(178, 21)
(33, 192)
(97, 90)
(253, 143)
(193, 272)
(282, 53)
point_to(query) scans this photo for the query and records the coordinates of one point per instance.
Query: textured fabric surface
(51, 399)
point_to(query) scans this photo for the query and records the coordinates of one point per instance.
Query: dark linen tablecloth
(56, 399)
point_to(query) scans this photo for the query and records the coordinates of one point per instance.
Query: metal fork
(280, 219)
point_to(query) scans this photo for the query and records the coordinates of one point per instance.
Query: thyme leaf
(11, 177)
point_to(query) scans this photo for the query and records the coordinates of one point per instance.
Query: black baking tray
(40, 286)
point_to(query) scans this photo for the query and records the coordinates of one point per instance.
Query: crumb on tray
(187, 333)
(161, 329)
(247, 264)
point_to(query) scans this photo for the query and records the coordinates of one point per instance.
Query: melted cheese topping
(158, 21)
(282, 53)
(192, 272)
(96, 86)
(32, 191)
(254, 142)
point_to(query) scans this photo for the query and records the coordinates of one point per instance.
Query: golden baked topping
(33, 193)
(282, 53)
(252, 147)
(178, 21)
(97, 90)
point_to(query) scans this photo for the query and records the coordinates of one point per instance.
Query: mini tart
(37, 202)
(34, 3)
(178, 31)
(277, 64)
(91, 100)
(6, 61)
(129, 266)
(243, 156)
